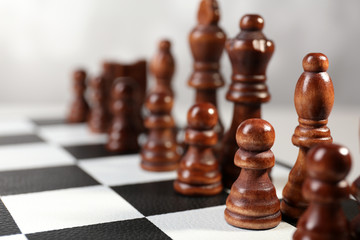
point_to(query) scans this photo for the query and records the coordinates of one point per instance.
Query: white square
(33, 155)
(120, 170)
(71, 134)
(209, 223)
(14, 237)
(15, 126)
(51, 210)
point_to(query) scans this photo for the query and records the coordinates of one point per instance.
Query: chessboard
(57, 181)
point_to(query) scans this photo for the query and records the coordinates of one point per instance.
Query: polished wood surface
(99, 116)
(325, 187)
(252, 202)
(249, 52)
(199, 172)
(160, 151)
(355, 223)
(314, 99)
(79, 109)
(162, 66)
(207, 42)
(138, 72)
(123, 132)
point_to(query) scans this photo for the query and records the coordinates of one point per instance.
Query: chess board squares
(195, 224)
(19, 139)
(7, 223)
(14, 237)
(133, 229)
(71, 134)
(66, 208)
(160, 197)
(33, 155)
(89, 151)
(43, 179)
(41, 122)
(121, 170)
(16, 126)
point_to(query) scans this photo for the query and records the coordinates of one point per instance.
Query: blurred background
(43, 41)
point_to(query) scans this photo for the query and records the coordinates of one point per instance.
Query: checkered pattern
(58, 182)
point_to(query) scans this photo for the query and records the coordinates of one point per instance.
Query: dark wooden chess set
(212, 167)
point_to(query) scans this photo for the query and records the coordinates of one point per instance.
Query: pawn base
(252, 222)
(116, 147)
(290, 211)
(159, 167)
(198, 190)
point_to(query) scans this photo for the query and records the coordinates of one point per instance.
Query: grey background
(41, 42)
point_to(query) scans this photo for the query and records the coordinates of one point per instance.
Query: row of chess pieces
(241, 158)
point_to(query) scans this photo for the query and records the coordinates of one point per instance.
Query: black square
(7, 223)
(91, 151)
(49, 121)
(140, 228)
(19, 139)
(160, 197)
(43, 179)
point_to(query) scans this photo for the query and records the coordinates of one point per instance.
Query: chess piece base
(253, 222)
(198, 190)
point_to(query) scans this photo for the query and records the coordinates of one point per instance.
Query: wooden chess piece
(162, 66)
(138, 72)
(98, 117)
(79, 109)
(123, 134)
(199, 173)
(207, 42)
(249, 52)
(325, 187)
(314, 98)
(355, 223)
(159, 153)
(252, 202)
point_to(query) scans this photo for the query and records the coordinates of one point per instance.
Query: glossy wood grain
(325, 187)
(249, 52)
(199, 172)
(314, 99)
(252, 202)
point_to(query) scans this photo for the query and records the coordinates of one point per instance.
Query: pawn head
(315, 62)
(328, 162)
(79, 75)
(164, 45)
(256, 135)
(124, 87)
(202, 116)
(251, 22)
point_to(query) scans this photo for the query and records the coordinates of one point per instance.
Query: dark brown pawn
(159, 153)
(98, 117)
(324, 188)
(163, 66)
(252, 202)
(314, 98)
(207, 42)
(249, 52)
(355, 223)
(79, 109)
(123, 134)
(137, 71)
(198, 173)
